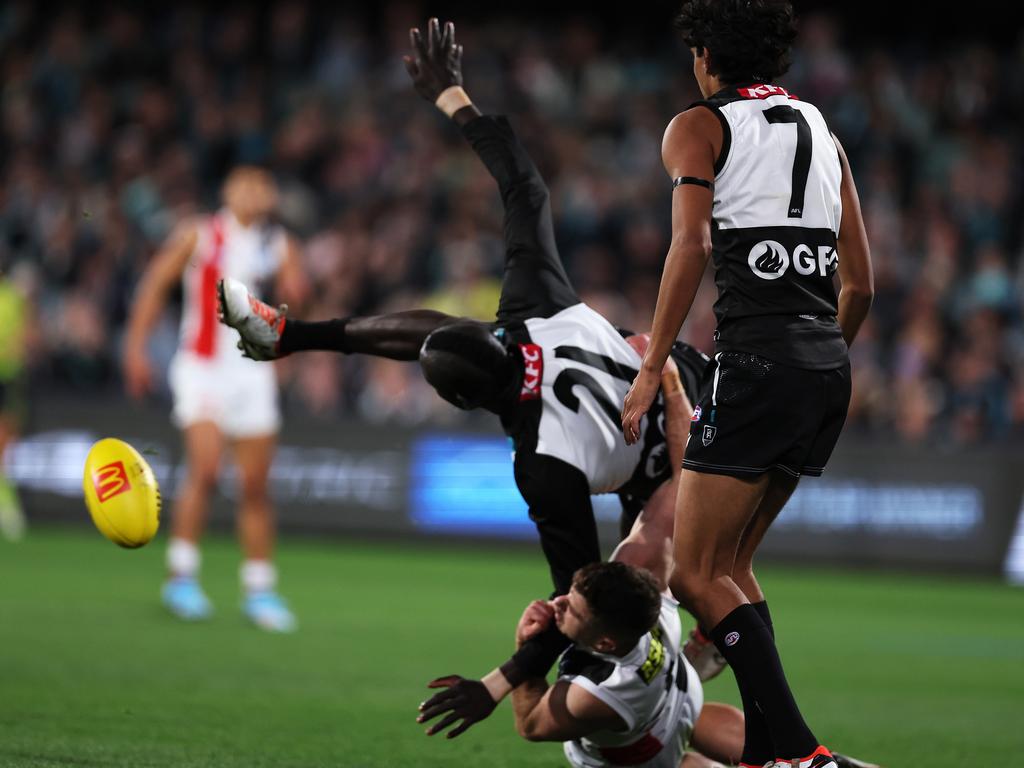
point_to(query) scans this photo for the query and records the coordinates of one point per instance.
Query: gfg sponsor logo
(770, 260)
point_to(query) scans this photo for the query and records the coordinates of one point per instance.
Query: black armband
(680, 180)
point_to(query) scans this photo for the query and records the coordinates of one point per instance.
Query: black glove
(462, 699)
(434, 64)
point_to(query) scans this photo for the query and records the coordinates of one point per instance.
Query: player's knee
(204, 475)
(254, 486)
(687, 586)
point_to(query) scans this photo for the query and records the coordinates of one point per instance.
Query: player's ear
(604, 644)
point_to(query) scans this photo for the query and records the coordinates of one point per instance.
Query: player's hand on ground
(638, 402)
(137, 372)
(461, 699)
(535, 619)
(435, 62)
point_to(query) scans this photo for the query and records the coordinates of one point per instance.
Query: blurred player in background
(220, 397)
(14, 309)
(550, 367)
(762, 186)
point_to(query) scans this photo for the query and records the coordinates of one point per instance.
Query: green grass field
(905, 670)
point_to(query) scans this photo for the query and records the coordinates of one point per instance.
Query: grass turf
(905, 670)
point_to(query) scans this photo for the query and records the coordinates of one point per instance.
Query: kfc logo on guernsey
(110, 480)
(533, 371)
(770, 260)
(763, 91)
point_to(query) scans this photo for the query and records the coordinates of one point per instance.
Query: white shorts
(237, 394)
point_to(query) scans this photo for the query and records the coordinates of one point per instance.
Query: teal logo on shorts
(708, 435)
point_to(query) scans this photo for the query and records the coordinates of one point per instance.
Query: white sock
(183, 558)
(258, 576)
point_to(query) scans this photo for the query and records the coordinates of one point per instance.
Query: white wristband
(452, 99)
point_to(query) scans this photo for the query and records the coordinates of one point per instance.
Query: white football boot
(259, 324)
(703, 655)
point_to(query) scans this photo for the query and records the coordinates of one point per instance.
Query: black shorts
(755, 415)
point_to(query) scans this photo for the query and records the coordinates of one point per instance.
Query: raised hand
(434, 63)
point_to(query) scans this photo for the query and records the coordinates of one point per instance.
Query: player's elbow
(860, 294)
(529, 730)
(692, 245)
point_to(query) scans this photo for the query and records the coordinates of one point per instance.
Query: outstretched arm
(535, 283)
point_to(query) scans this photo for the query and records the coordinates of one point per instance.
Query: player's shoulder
(696, 120)
(187, 232)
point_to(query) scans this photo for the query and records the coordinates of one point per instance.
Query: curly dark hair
(749, 40)
(624, 600)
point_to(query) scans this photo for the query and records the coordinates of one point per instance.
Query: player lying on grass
(625, 693)
(550, 367)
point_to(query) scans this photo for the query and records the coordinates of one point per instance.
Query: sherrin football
(121, 493)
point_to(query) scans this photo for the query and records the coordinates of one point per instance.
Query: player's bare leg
(779, 490)
(712, 511)
(712, 514)
(267, 334)
(182, 595)
(262, 605)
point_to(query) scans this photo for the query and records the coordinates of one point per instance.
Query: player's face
(251, 194)
(574, 619)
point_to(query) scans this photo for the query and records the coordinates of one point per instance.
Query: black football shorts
(755, 415)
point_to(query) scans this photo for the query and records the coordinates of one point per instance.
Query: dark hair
(468, 366)
(624, 600)
(749, 40)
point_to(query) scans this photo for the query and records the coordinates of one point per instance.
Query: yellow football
(121, 493)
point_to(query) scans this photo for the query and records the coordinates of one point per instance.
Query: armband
(680, 180)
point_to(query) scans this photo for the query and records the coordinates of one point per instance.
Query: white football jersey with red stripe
(224, 248)
(653, 688)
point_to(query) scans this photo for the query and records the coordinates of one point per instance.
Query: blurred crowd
(115, 125)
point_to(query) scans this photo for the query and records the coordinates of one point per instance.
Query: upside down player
(762, 185)
(552, 368)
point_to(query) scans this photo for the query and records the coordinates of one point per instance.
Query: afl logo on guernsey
(770, 260)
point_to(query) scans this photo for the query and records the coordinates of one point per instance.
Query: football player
(550, 367)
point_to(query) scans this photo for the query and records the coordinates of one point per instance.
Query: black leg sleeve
(535, 283)
(559, 499)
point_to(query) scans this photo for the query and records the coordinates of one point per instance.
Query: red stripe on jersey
(763, 91)
(633, 754)
(206, 338)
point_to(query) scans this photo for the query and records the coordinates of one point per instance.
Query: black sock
(299, 336)
(758, 748)
(747, 644)
(765, 614)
